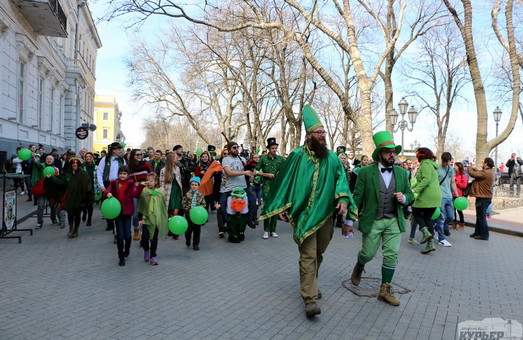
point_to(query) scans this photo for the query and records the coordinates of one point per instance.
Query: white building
(47, 60)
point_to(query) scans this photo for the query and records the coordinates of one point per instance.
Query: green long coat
(367, 192)
(79, 192)
(428, 193)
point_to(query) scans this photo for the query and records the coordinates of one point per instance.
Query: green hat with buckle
(310, 118)
(383, 139)
(239, 192)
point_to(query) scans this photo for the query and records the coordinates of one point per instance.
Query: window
(105, 133)
(40, 103)
(51, 109)
(21, 84)
(105, 116)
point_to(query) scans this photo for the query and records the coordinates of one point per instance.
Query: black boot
(75, 231)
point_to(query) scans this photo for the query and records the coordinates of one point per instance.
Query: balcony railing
(46, 17)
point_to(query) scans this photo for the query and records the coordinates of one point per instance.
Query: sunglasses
(138, 154)
(225, 153)
(234, 147)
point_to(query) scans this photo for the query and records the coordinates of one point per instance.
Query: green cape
(308, 188)
(152, 207)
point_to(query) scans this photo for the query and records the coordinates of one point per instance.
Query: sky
(112, 79)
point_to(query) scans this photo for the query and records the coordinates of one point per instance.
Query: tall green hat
(383, 139)
(310, 118)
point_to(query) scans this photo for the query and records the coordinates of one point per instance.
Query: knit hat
(383, 139)
(310, 118)
(195, 179)
(230, 145)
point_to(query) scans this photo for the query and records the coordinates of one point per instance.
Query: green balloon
(178, 225)
(48, 170)
(461, 203)
(24, 154)
(198, 215)
(111, 208)
(436, 214)
(98, 196)
(258, 151)
(198, 152)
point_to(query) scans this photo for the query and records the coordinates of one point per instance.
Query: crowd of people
(313, 188)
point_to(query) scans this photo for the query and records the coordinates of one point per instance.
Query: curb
(499, 230)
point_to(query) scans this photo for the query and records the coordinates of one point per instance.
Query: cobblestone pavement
(52, 287)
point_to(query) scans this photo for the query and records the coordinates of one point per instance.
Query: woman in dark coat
(78, 194)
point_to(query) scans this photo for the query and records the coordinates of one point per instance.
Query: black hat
(271, 141)
(177, 146)
(211, 148)
(340, 149)
(115, 145)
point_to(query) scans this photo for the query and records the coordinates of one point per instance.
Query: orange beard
(238, 204)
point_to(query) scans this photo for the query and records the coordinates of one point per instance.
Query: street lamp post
(403, 124)
(415, 145)
(497, 117)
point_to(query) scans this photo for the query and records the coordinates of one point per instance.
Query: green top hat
(239, 192)
(383, 139)
(310, 118)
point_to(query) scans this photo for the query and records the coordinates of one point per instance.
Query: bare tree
(464, 23)
(440, 74)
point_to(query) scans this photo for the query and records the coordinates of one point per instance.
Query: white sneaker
(274, 235)
(22, 193)
(265, 235)
(445, 243)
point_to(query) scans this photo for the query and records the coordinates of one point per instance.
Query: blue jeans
(123, 234)
(446, 218)
(257, 190)
(481, 216)
(413, 227)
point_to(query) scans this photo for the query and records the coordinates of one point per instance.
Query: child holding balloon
(152, 213)
(193, 198)
(123, 189)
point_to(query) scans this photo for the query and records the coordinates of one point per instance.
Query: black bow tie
(386, 169)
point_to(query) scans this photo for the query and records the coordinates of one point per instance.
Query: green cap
(310, 118)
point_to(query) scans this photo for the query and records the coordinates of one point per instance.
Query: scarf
(194, 198)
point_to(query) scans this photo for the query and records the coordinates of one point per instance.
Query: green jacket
(426, 187)
(79, 191)
(367, 192)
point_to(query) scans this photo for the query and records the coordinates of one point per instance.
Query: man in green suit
(381, 191)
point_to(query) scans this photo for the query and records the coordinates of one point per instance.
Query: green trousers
(237, 224)
(311, 256)
(269, 224)
(387, 231)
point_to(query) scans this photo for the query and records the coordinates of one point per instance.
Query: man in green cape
(381, 192)
(310, 186)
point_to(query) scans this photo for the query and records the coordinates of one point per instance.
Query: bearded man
(310, 186)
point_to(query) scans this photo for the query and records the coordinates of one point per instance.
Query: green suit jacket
(367, 191)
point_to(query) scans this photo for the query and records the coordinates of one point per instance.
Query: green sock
(387, 272)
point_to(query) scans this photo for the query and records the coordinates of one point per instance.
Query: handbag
(466, 191)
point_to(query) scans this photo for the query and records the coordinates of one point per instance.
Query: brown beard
(319, 149)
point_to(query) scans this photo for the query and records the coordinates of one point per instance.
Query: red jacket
(132, 191)
(461, 182)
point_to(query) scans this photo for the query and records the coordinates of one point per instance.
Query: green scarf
(152, 207)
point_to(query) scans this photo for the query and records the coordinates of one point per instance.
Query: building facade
(107, 120)
(48, 54)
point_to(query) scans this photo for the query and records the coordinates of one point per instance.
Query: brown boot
(70, 233)
(136, 235)
(356, 275)
(312, 309)
(461, 226)
(386, 295)
(454, 225)
(75, 232)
